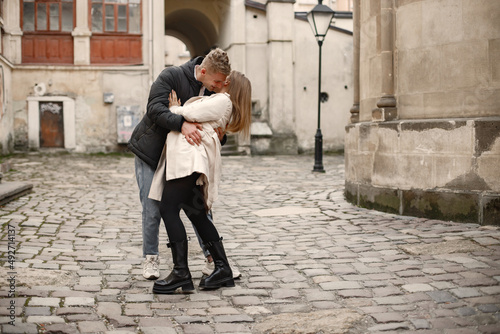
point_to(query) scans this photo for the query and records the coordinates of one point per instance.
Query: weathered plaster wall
(336, 81)
(95, 121)
(277, 51)
(281, 60)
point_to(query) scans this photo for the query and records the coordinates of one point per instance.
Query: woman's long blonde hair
(240, 91)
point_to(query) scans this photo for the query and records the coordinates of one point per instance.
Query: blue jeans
(151, 211)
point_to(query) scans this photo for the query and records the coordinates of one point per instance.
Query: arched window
(47, 27)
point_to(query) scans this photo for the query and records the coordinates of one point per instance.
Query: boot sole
(228, 283)
(186, 286)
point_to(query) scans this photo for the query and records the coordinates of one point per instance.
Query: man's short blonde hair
(217, 61)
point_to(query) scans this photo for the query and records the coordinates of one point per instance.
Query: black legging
(184, 194)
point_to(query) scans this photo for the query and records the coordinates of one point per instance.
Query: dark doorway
(51, 124)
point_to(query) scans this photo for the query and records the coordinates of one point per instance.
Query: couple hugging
(177, 146)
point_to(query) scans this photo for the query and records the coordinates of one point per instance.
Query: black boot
(180, 277)
(222, 274)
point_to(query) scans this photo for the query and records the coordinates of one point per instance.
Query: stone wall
(448, 56)
(446, 169)
(6, 114)
(425, 139)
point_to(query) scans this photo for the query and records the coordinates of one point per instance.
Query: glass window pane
(54, 16)
(110, 18)
(122, 25)
(134, 19)
(134, 1)
(41, 17)
(67, 17)
(122, 18)
(29, 16)
(97, 17)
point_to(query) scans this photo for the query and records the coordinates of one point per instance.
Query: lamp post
(319, 18)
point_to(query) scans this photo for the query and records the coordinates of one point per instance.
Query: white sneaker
(209, 268)
(234, 269)
(151, 267)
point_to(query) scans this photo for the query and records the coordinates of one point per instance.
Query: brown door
(51, 124)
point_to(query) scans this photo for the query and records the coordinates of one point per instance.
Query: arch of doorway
(193, 28)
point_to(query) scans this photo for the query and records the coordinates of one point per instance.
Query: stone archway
(195, 22)
(193, 29)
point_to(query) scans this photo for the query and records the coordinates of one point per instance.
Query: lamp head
(320, 18)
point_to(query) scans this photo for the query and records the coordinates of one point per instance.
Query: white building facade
(76, 73)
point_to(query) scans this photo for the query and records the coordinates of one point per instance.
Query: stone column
(237, 50)
(386, 110)
(356, 60)
(156, 36)
(280, 18)
(12, 36)
(232, 36)
(81, 34)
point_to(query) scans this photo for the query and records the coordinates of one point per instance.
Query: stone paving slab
(310, 261)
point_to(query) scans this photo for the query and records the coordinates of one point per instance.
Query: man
(199, 76)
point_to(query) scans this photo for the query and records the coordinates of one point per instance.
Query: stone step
(11, 190)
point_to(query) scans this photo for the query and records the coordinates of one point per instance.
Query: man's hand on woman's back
(191, 132)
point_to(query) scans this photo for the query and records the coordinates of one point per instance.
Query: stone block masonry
(440, 169)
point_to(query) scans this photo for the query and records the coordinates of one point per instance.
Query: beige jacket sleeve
(205, 108)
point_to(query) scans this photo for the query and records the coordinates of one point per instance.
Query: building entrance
(51, 124)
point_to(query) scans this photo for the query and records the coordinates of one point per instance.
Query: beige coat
(180, 159)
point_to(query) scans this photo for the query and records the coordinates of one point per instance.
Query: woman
(188, 177)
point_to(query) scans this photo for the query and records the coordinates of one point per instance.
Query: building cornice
(255, 5)
(6, 61)
(302, 15)
(286, 1)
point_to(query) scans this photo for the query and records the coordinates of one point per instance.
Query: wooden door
(51, 124)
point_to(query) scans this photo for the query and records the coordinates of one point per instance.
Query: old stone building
(424, 138)
(76, 73)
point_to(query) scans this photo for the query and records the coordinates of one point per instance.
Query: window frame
(48, 18)
(47, 47)
(116, 6)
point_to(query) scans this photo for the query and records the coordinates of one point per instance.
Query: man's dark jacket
(148, 137)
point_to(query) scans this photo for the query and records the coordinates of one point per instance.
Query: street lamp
(319, 18)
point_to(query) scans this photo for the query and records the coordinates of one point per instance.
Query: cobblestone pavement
(311, 262)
